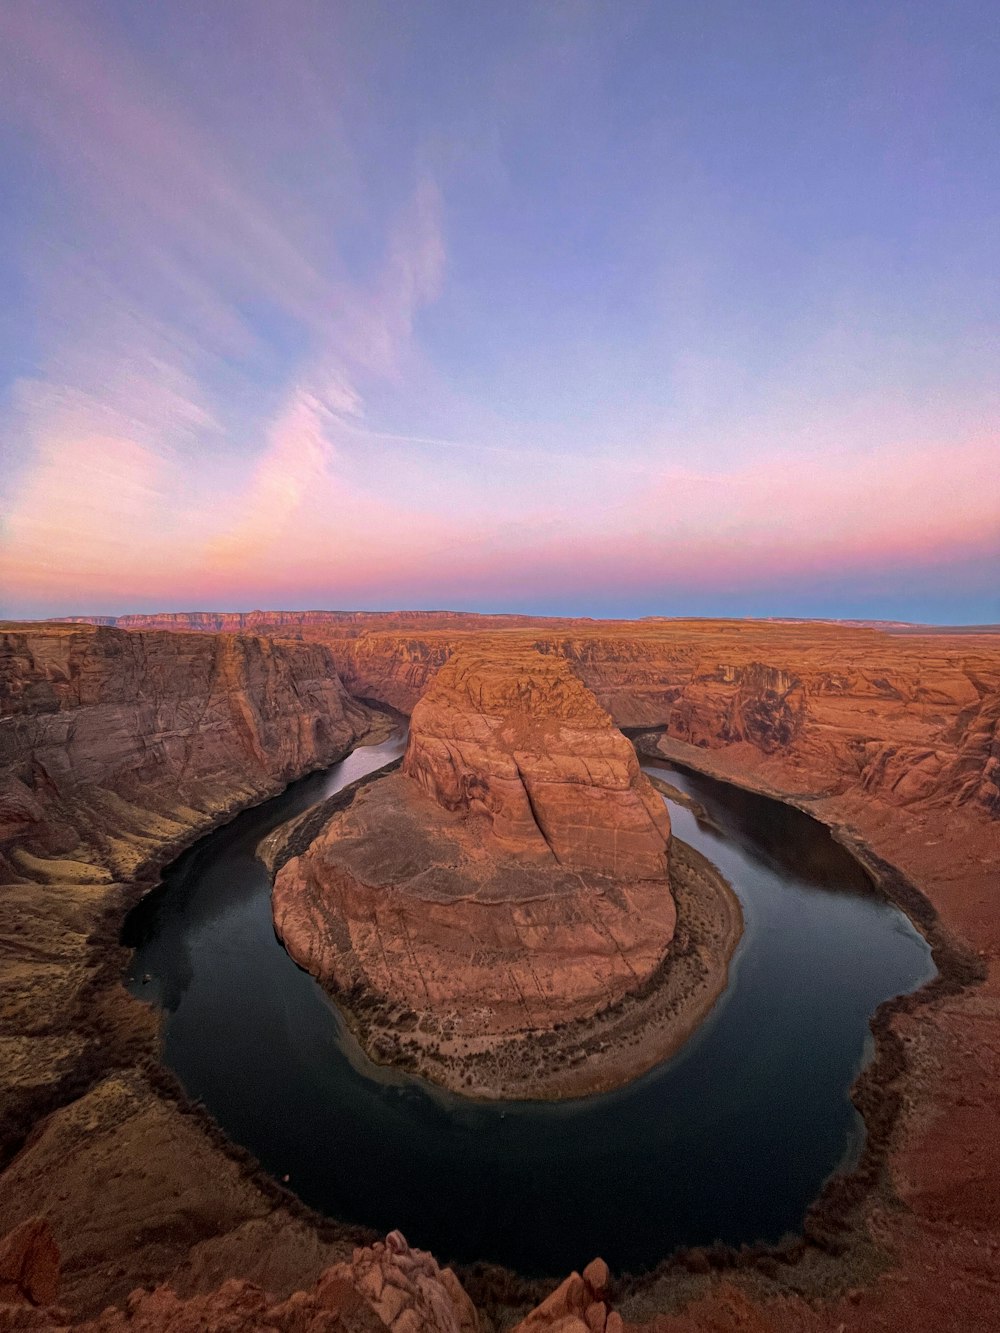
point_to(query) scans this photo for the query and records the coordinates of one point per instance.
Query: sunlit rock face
(169, 723)
(511, 878)
(522, 741)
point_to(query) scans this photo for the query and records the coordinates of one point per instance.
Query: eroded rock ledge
(498, 914)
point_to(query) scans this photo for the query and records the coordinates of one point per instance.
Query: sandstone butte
(119, 745)
(510, 881)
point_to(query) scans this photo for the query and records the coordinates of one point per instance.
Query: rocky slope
(116, 750)
(521, 740)
(384, 1286)
(509, 884)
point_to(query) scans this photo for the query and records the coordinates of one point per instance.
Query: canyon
(121, 743)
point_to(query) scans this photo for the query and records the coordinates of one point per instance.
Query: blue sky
(587, 308)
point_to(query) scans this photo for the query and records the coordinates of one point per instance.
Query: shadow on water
(731, 1140)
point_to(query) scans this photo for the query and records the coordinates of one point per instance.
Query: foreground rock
(384, 1286)
(498, 914)
(578, 1305)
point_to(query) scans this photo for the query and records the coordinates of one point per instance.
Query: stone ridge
(520, 739)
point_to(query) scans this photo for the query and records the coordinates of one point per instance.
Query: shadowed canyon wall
(117, 749)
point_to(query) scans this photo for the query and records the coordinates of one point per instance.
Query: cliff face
(159, 720)
(521, 740)
(907, 718)
(114, 749)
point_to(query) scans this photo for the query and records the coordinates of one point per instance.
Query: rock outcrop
(578, 1305)
(385, 1286)
(511, 879)
(522, 741)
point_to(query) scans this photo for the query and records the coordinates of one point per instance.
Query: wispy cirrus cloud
(658, 369)
(147, 401)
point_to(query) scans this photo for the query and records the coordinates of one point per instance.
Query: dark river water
(731, 1139)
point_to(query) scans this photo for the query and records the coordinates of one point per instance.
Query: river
(731, 1139)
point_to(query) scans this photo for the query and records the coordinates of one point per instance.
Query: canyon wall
(910, 718)
(156, 720)
(116, 749)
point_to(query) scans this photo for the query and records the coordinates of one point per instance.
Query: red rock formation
(157, 719)
(511, 878)
(578, 1305)
(830, 698)
(521, 740)
(822, 701)
(384, 1286)
(424, 912)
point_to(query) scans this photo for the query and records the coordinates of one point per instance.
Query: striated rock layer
(511, 879)
(522, 741)
(154, 720)
(906, 713)
(116, 750)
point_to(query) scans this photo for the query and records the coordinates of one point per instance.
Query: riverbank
(906, 1237)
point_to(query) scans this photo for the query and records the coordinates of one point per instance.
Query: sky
(606, 309)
